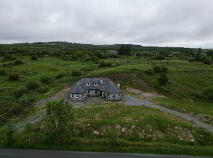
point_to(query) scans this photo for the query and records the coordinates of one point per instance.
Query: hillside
(32, 72)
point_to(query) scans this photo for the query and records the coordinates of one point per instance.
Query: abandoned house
(94, 87)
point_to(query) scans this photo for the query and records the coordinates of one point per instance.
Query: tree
(76, 73)
(163, 80)
(8, 138)
(209, 93)
(124, 50)
(59, 118)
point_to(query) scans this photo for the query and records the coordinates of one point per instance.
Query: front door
(103, 94)
(92, 93)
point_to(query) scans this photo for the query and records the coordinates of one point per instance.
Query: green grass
(115, 127)
(118, 128)
(204, 109)
(184, 77)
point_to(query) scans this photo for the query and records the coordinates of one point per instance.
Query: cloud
(163, 23)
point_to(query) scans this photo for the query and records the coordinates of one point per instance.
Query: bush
(164, 70)
(43, 89)
(207, 60)
(20, 92)
(160, 57)
(8, 136)
(62, 114)
(105, 64)
(76, 73)
(32, 85)
(60, 75)
(9, 58)
(3, 72)
(124, 50)
(18, 62)
(13, 77)
(34, 57)
(158, 69)
(46, 79)
(163, 80)
(26, 102)
(209, 93)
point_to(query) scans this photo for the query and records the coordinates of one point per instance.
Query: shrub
(9, 58)
(8, 64)
(18, 62)
(105, 64)
(26, 101)
(124, 50)
(63, 115)
(138, 54)
(20, 92)
(160, 57)
(46, 79)
(13, 77)
(164, 70)
(60, 75)
(34, 57)
(76, 73)
(158, 69)
(32, 85)
(3, 72)
(8, 136)
(43, 89)
(163, 80)
(207, 60)
(209, 93)
(149, 72)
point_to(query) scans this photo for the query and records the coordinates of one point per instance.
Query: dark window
(88, 84)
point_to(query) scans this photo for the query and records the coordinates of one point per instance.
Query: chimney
(118, 85)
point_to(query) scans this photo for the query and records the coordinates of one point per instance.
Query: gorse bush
(3, 72)
(9, 58)
(13, 77)
(160, 69)
(124, 50)
(163, 79)
(20, 92)
(34, 57)
(76, 73)
(32, 85)
(55, 127)
(8, 138)
(18, 62)
(46, 79)
(59, 118)
(208, 93)
(159, 57)
(105, 64)
(60, 75)
(43, 89)
(207, 60)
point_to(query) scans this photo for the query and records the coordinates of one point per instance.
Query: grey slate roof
(104, 84)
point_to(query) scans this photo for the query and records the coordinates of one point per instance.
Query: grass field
(120, 128)
(112, 126)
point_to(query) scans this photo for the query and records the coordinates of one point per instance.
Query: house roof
(102, 84)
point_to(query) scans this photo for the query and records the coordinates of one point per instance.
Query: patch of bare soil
(130, 79)
(143, 95)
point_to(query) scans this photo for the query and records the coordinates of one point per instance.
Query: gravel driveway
(133, 101)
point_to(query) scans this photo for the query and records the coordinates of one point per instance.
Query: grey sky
(187, 23)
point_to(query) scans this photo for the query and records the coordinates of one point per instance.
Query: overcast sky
(187, 23)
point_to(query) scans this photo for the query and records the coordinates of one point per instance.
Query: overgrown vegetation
(31, 72)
